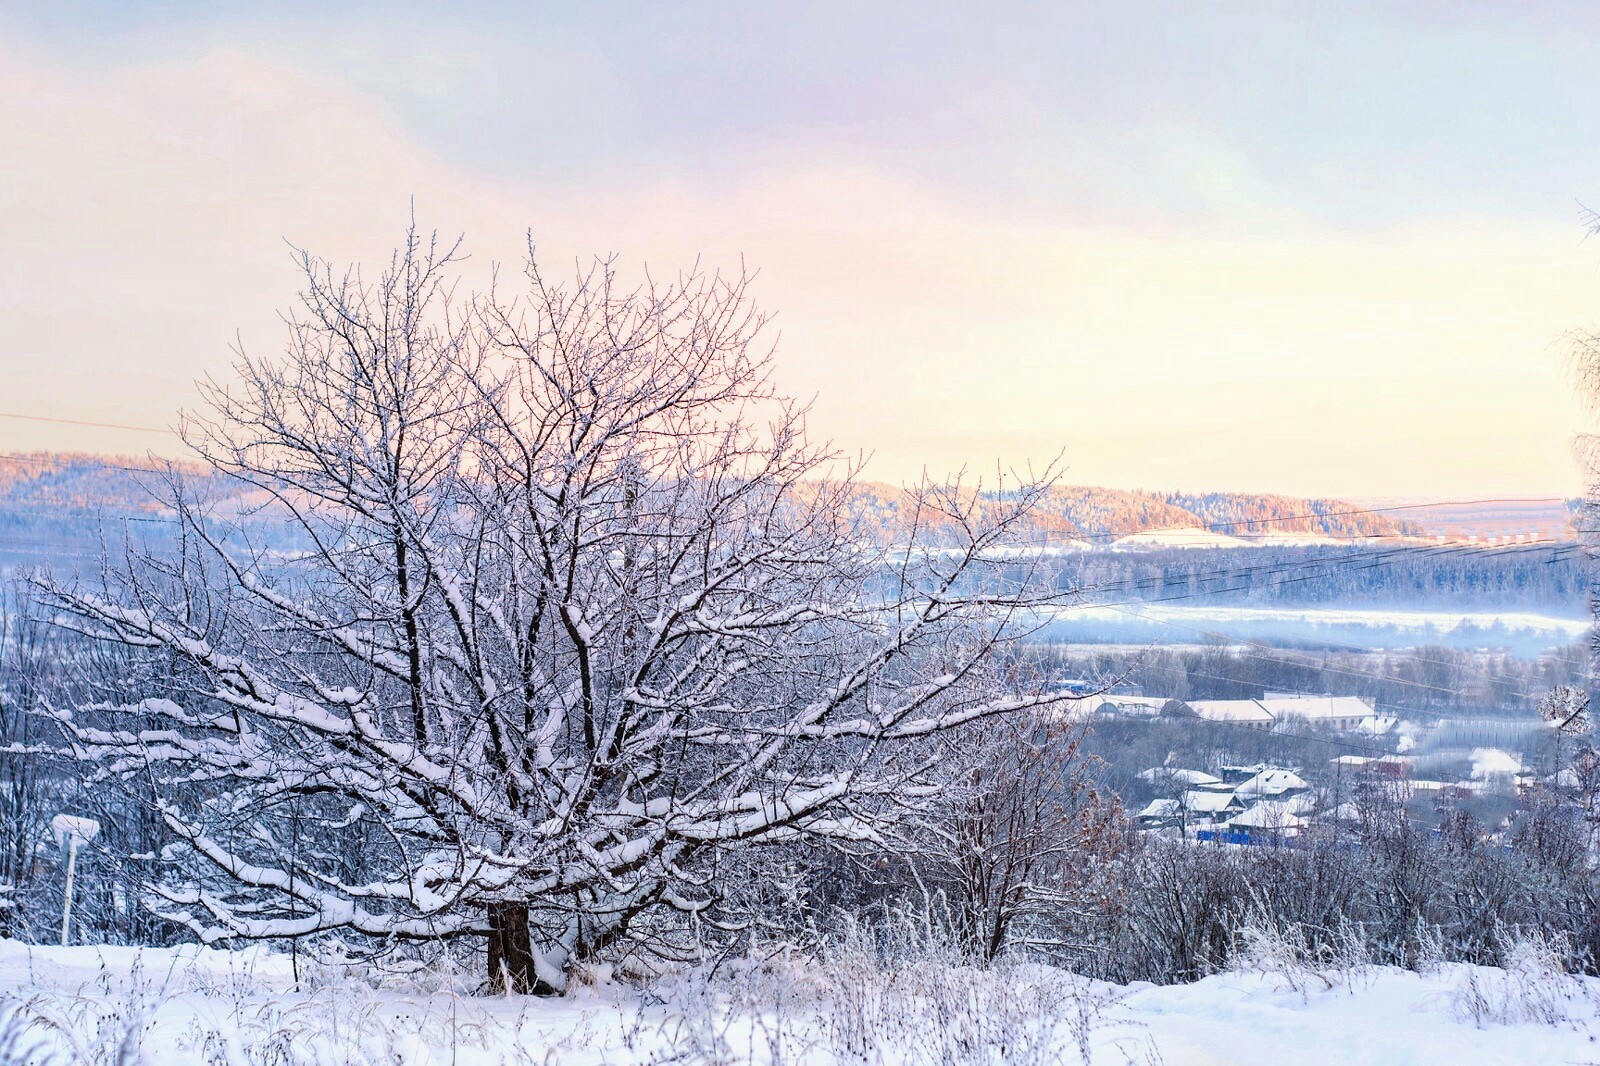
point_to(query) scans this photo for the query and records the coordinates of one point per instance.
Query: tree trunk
(511, 966)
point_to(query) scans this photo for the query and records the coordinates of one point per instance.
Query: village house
(1272, 783)
(1212, 806)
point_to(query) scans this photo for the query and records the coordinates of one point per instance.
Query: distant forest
(1547, 578)
(1100, 515)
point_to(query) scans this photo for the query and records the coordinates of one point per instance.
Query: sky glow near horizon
(1330, 253)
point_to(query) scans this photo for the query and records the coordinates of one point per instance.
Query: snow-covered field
(127, 1006)
(1523, 631)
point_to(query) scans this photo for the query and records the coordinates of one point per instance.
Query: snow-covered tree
(580, 608)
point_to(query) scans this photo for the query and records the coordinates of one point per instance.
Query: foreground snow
(89, 1004)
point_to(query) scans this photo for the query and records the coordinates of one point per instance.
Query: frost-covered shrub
(1303, 959)
(1532, 987)
(73, 1030)
(902, 990)
(25, 1038)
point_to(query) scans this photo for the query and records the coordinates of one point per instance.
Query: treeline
(1382, 887)
(83, 482)
(1549, 578)
(1385, 891)
(1067, 512)
(1253, 515)
(67, 510)
(1424, 681)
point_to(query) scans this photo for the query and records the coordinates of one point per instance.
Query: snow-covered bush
(1301, 958)
(901, 990)
(1532, 985)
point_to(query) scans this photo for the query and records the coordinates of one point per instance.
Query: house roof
(1209, 802)
(1267, 816)
(1272, 782)
(1317, 707)
(1249, 711)
(1272, 708)
(1300, 803)
(1179, 777)
(1161, 809)
(1128, 704)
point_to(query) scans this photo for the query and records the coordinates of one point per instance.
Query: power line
(1186, 671)
(1330, 741)
(1337, 742)
(83, 422)
(85, 515)
(94, 461)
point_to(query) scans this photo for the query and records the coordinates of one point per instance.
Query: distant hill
(61, 507)
(1254, 515)
(56, 506)
(1482, 520)
(74, 481)
(1100, 515)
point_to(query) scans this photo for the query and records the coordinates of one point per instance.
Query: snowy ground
(1524, 632)
(174, 1007)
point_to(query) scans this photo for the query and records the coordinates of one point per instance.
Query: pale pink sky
(946, 306)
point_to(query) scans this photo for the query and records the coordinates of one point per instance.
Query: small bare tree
(1024, 833)
(578, 609)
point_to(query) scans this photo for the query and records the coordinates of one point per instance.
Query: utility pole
(70, 832)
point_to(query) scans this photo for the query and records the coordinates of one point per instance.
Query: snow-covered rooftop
(1272, 783)
(1190, 778)
(1209, 802)
(1249, 712)
(1164, 808)
(1267, 816)
(1317, 708)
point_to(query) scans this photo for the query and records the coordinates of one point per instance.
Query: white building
(1129, 706)
(1248, 713)
(1332, 712)
(1270, 817)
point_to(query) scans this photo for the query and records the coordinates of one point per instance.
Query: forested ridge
(61, 488)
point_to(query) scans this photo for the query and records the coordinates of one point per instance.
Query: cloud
(147, 205)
